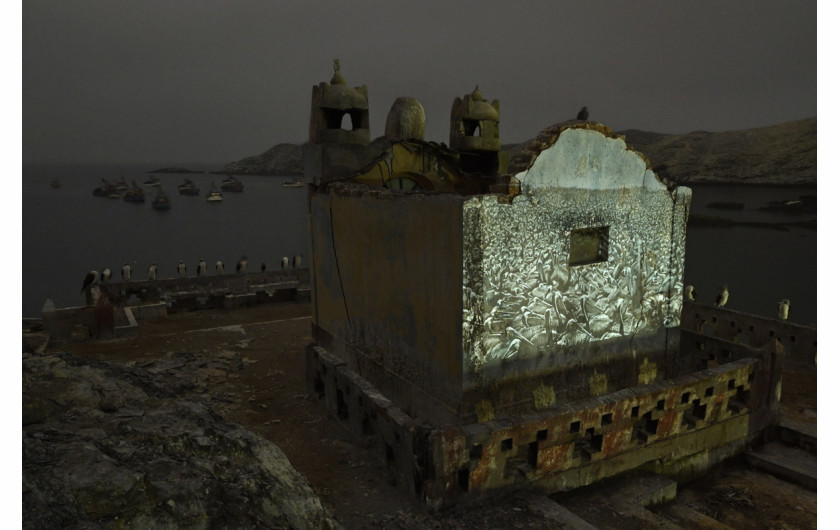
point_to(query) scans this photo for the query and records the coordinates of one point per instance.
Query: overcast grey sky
(218, 80)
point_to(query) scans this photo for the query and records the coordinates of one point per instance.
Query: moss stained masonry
(484, 341)
(678, 427)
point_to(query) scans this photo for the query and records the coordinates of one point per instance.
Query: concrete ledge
(789, 463)
(232, 301)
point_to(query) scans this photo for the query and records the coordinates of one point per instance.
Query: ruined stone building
(488, 329)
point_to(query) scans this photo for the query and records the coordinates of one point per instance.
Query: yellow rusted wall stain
(544, 396)
(597, 384)
(484, 411)
(647, 372)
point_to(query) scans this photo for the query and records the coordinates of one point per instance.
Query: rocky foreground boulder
(112, 446)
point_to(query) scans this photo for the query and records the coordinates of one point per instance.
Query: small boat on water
(152, 181)
(105, 189)
(297, 183)
(135, 195)
(214, 195)
(232, 183)
(188, 188)
(121, 184)
(161, 201)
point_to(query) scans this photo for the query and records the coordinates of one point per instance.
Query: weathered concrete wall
(528, 309)
(386, 284)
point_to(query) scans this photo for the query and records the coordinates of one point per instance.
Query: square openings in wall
(589, 245)
(507, 444)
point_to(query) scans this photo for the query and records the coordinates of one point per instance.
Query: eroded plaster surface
(522, 298)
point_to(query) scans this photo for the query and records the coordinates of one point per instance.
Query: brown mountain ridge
(783, 154)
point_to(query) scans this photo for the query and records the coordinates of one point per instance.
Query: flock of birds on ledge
(783, 309)
(95, 277)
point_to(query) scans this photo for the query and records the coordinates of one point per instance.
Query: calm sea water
(67, 232)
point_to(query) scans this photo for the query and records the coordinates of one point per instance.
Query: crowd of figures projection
(558, 268)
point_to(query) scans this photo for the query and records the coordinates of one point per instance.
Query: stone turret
(331, 102)
(474, 133)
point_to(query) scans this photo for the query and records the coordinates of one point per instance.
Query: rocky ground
(202, 401)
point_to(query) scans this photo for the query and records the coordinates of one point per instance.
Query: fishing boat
(214, 195)
(188, 188)
(135, 194)
(232, 183)
(105, 189)
(152, 181)
(297, 183)
(121, 184)
(161, 201)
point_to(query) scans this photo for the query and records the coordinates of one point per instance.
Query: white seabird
(284, 263)
(722, 297)
(690, 293)
(241, 264)
(153, 271)
(182, 269)
(220, 267)
(202, 268)
(90, 278)
(126, 272)
(784, 309)
(297, 261)
(106, 275)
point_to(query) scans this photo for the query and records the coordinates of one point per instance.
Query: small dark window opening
(507, 444)
(348, 120)
(470, 127)
(574, 427)
(589, 245)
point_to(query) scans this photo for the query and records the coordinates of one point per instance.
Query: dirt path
(268, 396)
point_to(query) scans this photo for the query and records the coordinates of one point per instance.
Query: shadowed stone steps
(789, 463)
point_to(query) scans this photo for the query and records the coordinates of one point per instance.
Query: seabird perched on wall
(583, 115)
(153, 271)
(126, 272)
(90, 278)
(220, 267)
(182, 269)
(690, 293)
(784, 309)
(284, 263)
(241, 264)
(262, 267)
(297, 261)
(722, 297)
(106, 275)
(201, 270)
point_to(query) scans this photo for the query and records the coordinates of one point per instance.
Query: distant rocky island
(784, 154)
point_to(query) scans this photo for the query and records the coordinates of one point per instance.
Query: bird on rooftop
(784, 309)
(583, 114)
(722, 297)
(153, 271)
(241, 264)
(182, 269)
(106, 274)
(297, 261)
(284, 263)
(262, 267)
(126, 272)
(690, 293)
(90, 278)
(220, 267)
(201, 270)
